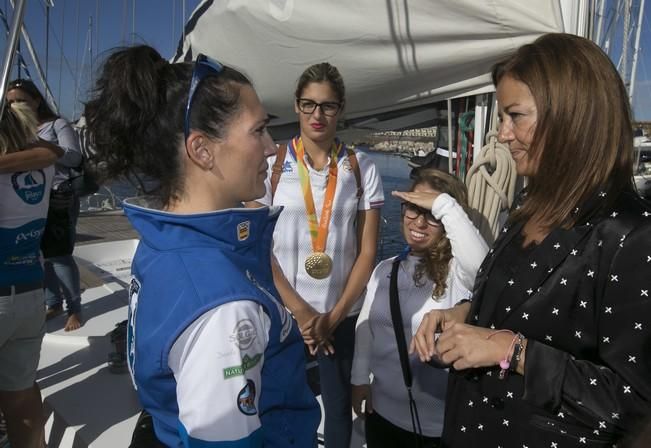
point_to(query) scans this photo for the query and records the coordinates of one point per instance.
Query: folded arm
(37, 155)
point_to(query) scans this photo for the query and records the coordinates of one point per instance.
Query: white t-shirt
(292, 242)
(25, 200)
(376, 351)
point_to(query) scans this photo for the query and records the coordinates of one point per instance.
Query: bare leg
(23, 411)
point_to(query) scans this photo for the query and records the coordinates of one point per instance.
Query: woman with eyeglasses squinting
(436, 271)
(326, 238)
(215, 358)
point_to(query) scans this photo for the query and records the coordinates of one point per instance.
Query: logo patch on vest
(134, 292)
(243, 230)
(244, 334)
(247, 364)
(246, 399)
(29, 186)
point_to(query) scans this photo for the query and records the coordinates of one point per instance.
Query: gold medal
(318, 265)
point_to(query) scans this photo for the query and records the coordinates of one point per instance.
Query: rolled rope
(491, 185)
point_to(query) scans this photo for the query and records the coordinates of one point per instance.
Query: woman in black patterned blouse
(554, 350)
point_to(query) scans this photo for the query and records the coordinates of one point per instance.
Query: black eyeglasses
(329, 108)
(203, 68)
(413, 211)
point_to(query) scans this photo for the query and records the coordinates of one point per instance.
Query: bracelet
(517, 353)
(505, 363)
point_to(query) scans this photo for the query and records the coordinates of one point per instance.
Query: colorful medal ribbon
(319, 264)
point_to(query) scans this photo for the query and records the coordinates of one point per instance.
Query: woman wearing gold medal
(326, 238)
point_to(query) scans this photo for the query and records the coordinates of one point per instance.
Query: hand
(467, 346)
(435, 321)
(362, 393)
(318, 333)
(420, 198)
(305, 318)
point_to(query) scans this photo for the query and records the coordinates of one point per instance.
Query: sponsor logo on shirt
(248, 363)
(287, 167)
(243, 230)
(244, 334)
(246, 399)
(345, 165)
(29, 186)
(33, 233)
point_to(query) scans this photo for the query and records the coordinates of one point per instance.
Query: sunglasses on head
(203, 68)
(412, 211)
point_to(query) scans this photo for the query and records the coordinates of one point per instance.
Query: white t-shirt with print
(292, 242)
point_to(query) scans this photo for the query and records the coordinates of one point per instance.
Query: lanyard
(318, 230)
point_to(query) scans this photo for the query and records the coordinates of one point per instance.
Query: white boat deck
(86, 404)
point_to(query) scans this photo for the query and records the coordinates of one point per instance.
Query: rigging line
(56, 38)
(125, 19)
(173, 22)
(75, 76)
(87, 43)
(60, 46)
(96, 28)
(62, 54)
(133, 23)
(612, 27)
(20, 61)
(636, 51)
(47, 40)
(37, 64)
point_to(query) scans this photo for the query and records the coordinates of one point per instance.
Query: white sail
(393, 54)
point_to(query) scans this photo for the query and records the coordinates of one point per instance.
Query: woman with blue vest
(215, 357)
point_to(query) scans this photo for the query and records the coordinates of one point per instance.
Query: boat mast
(47, 38)
(10, 49)
(625, 40)
(636, 51)
(600, 21)
(48, 93)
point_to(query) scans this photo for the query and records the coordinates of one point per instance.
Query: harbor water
(393, 169)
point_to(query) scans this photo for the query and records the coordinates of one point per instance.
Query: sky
(159, 23)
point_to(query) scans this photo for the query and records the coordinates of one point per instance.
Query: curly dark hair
(436, 264)
(136, 114)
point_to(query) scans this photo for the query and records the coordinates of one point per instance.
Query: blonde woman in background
(25, 196)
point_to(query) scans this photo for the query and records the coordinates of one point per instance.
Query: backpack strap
(277, 169)
(352, 158)
(399, 331)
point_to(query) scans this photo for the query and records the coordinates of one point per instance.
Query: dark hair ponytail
(136, 113)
